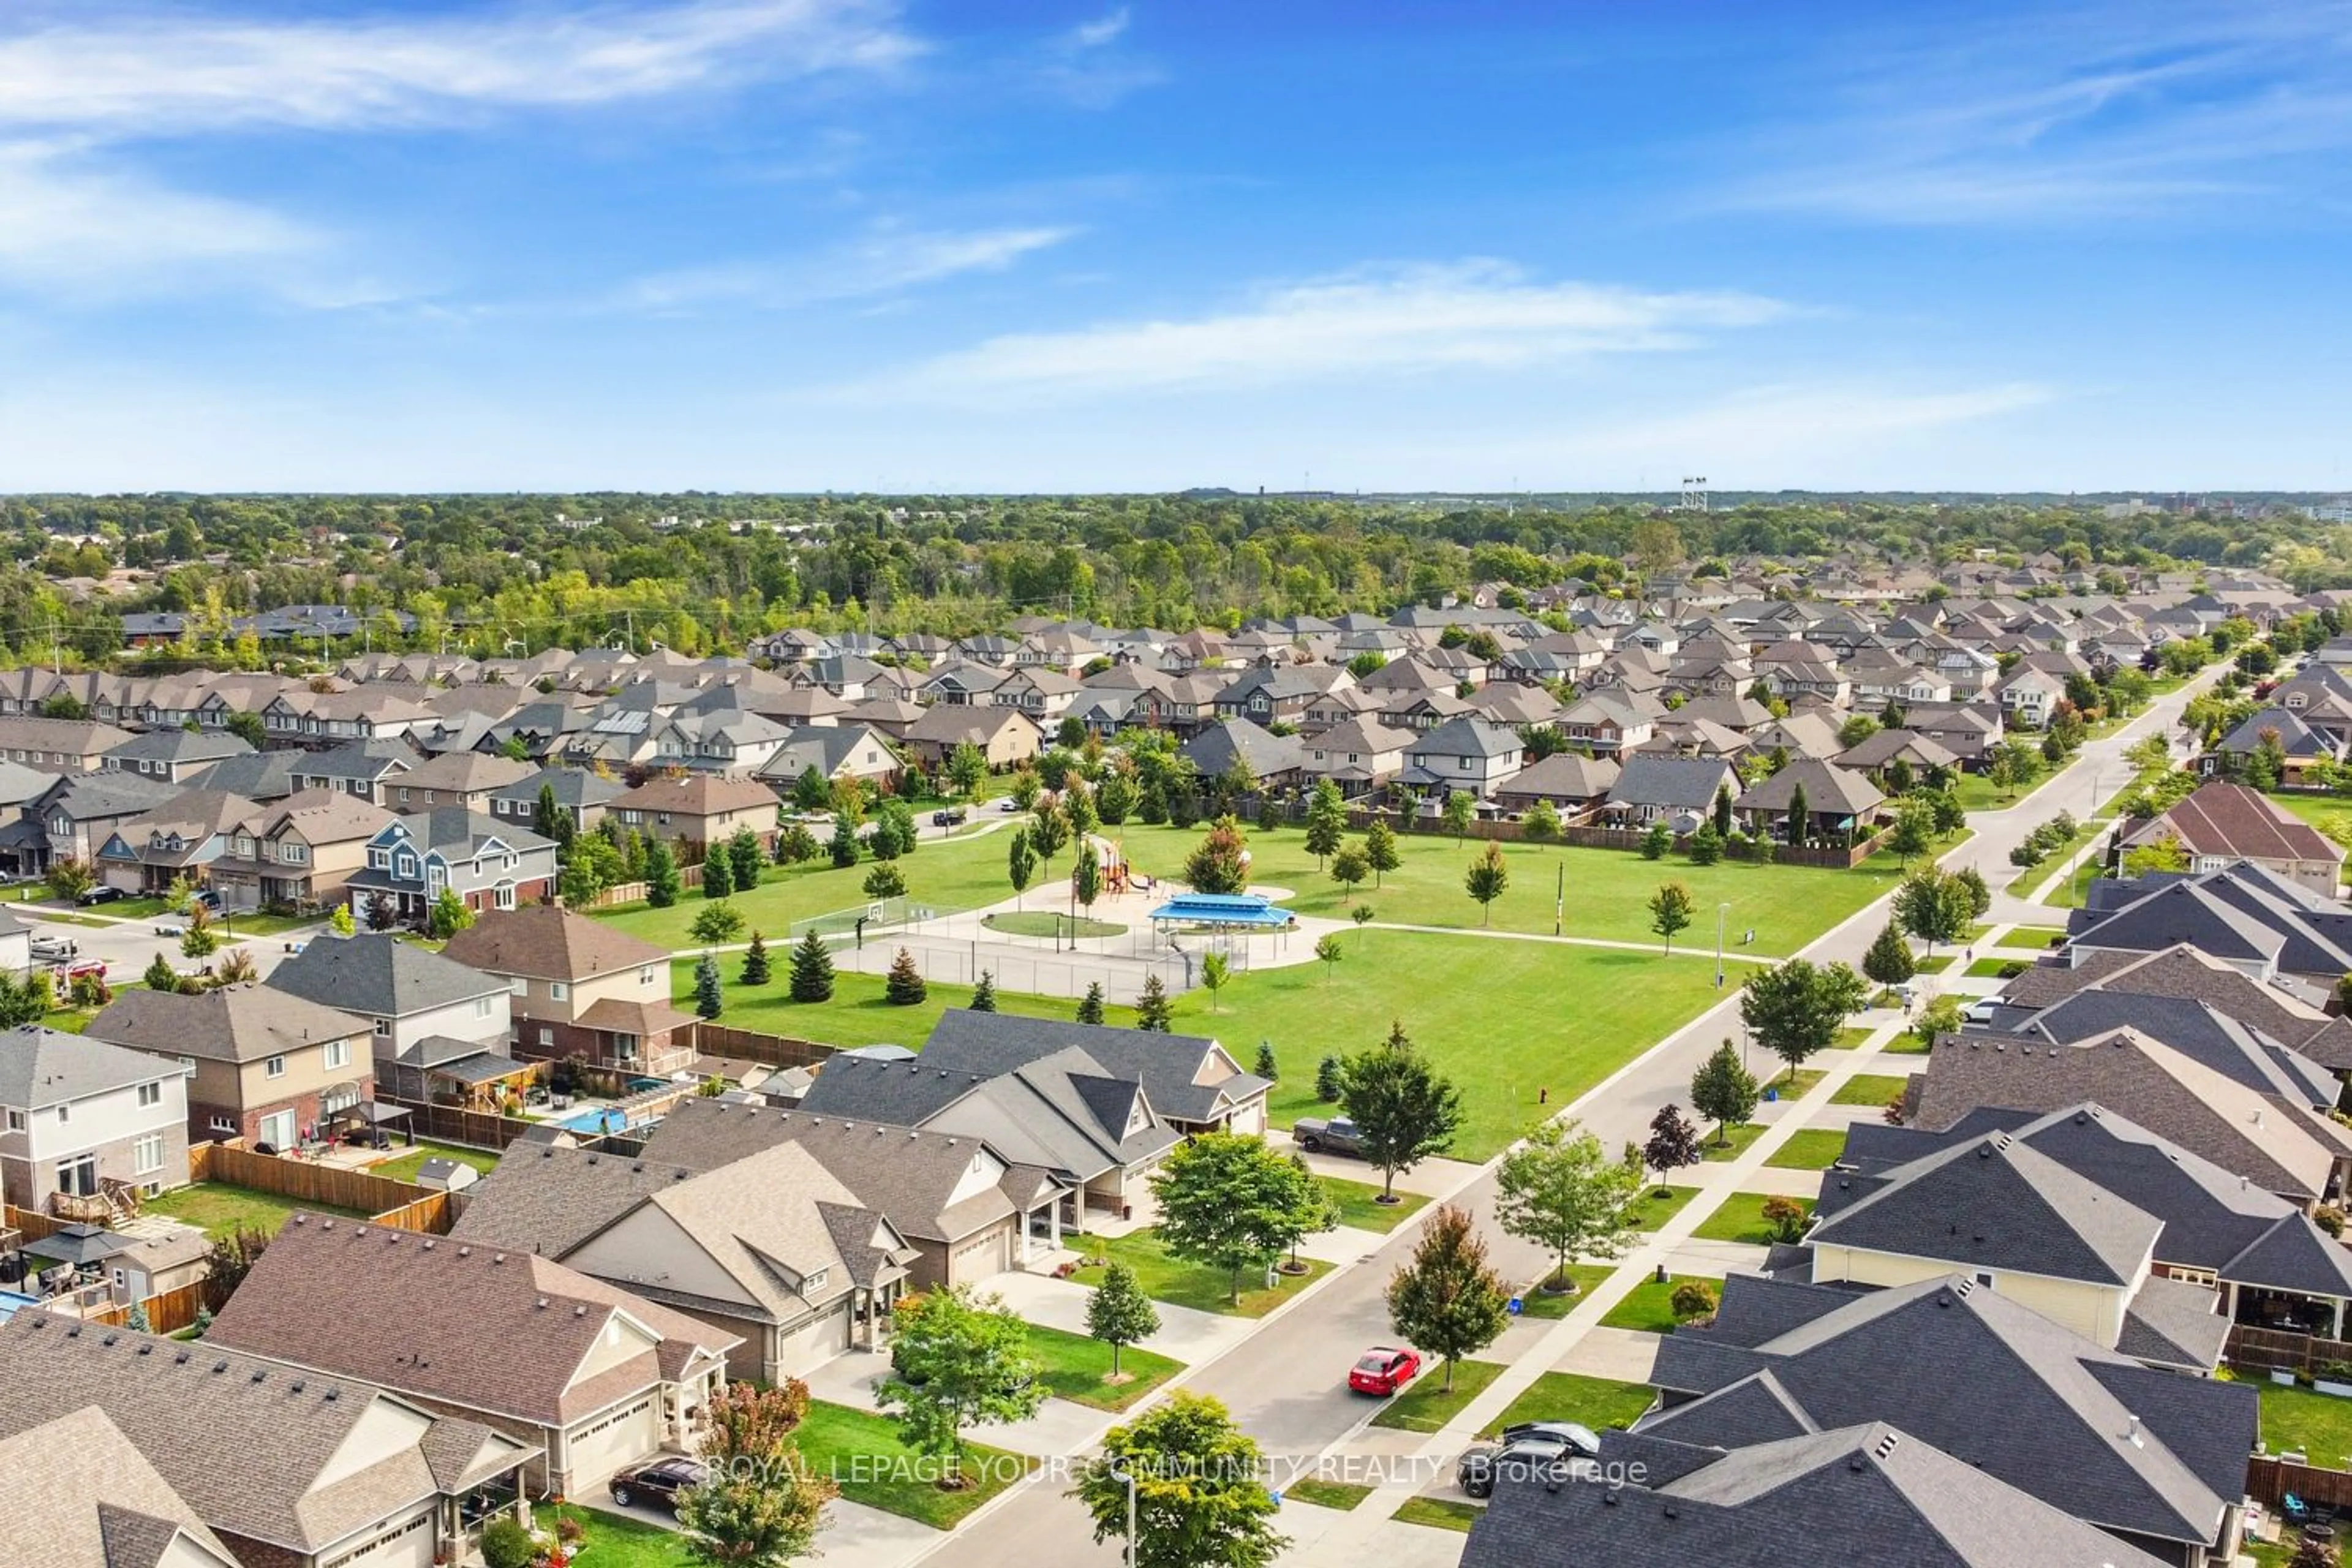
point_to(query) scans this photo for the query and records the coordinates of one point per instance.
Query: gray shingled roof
(1169, 1066)
(379, 976)
(41, 1068)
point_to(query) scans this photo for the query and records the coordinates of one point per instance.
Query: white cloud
(883, 263)
(137, 73)
(1470, 315)
(79, 228)
(1104, 29)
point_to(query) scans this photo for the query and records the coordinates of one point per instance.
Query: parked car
(1527, 1448)
(952, 818)
(1383, 1370)
(1981, 1010)
(210, 897)
(1338, 1135)
(54, 949)
(1008, 804)
(658, 1482)
(74, 969)
(101, 894)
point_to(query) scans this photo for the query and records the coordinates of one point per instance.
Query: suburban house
(771, 1250)
(2030, 696)
(290, 1468)
(1838, 801)
(2155, 1458)
(264, 1066)
(697, 811)
(592, 1377)
(180, 840)
(2223, 824)
(1361, 754)
(174, 755)
(1604, 724)
(412, 860)
(836, 751)
(2246, 915)
(1463, 753)
(2301, 746)
(1677, 791)
(364, 768)
(82, 1120)
(87, 1513)
(406, 994)
(467, 779)
(580, 990)
(968, 1211)
(580, 794)
(1273, 762)
(1005, 736)
(300, 851)
(58, 745)
(72, 819)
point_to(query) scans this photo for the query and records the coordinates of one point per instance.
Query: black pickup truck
(1337, 1136)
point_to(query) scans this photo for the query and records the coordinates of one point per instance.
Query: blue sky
(848, 244)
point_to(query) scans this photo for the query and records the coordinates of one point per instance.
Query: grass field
(1737, 1140)
(1183, 1284)
(1076, 1366)
(617, 1540)
(2318, 1424)
(2332, 814)
(1599, 1403)
(1850, 1037)
(1490, 1013)
(1994, 968)
(217, 1208)
(1658, 1204)
(1047, 924)
(862, 1453)
(1608, 890)
(1798, 1084)
(1427, 1404)
(1869, 1089)
(1809, 1149)
(1648, 1307)
(404, 1168)
(1740, 1219)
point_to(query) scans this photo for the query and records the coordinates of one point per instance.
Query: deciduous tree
(1724, 1091)
(957, 1361)
(1795, 1008)
(1200, 1495)
(1563, 1190)
(1671, 910)
(1404, 1111)
(1447, 1300)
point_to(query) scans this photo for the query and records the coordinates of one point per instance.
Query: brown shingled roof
(546, 943)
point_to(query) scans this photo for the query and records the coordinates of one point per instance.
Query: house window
(151, 1094)
(519, 985)
(15, 1120)
(64, 1113)
(406, 869)
(557, 991)
(506, 895)
(293, 854)
(645, 975)
(383, 1027)
(380, 860)
(147, 1154)
(338, 1053)
(481, 1006)
(546, 1036)
(274, 1067)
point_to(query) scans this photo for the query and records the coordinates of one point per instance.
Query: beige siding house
(581, 989)
(265, 1066)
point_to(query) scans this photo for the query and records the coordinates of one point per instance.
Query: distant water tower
(1694, 493)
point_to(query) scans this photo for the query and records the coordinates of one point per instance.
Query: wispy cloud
(1474, 314)
(163, 72)
(883, 263)
(1093, 35)
(2055, 114)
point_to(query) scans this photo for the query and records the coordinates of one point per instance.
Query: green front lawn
(217, 1208)
(1994, 968)
(1599, 1403)
(1737, 1140)
(1438, 1513)
(1078, 1368)
(1809, 1149)
(2033, 936)
(1851, 1037)
(2320, 1425)
(862, 1453)
(405, 1169)
(2331, 814)
(1936, 965)
(617, 1540)
(1427, 1404)
(1647, 1308)
(1658, 1204)
(1905, 1043)
(1536, 1302)
(1870, 1089)
(1741, 1218)
(1183, 1284)
(1798, 1084)
(1341, 1495)
(1608, 890)
(1360, 1207)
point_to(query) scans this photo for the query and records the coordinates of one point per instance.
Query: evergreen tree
(744, 858)
(1116, 799)
(1380, 849)
(983, 992)
(755, 962)
(1889, 960)
(795, 845)
(662, 880)
(1090, 1006)
(842, 849)
(718, 873)
(905, 987)
(1799, 815)
(1330, 1080)
(1265, 1066)
(708, 1003)
(812, 969)
(1153, 1009)
(811, 793)
(161, 976)
(1724, 1091)
(1723, 810)
(885, 881)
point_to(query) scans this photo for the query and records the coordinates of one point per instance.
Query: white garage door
(620, 1436)
(409, 1545)
(814, 1342)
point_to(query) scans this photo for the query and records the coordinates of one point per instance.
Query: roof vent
(300, 1383)
(181, 1358)
(1886, 1445)
(259, 1374)
(2131, 1431)
(497, 1257)
(110, 1340)
(331, 1395)
(465, 1252)
(580, 1310)
(219, 1367)
(540, 1303)
(146, 1347)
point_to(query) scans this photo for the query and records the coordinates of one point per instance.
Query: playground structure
(1117, 877)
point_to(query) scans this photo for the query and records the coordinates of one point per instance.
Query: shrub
(2330, 1218)
(1692, 1299)
(1785, 1216)
(507, 1544)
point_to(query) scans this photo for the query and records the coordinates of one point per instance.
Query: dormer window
(815, 1281)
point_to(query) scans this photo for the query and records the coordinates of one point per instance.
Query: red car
(1383, 1370)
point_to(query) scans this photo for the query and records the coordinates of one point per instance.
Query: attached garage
(813, 1342)
(408, 1544)
(983, 1257)
(603, 1444)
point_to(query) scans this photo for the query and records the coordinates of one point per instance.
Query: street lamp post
(1119, 1467)
(1720, 912)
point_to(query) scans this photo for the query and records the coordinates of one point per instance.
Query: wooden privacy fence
(452, 1124)
(431, 1215)
(167, 1313)
(2268, 1479)
(33, 1224)
(750, 1045)
(305, 1181)
(1627, 840)
(2277, 1350)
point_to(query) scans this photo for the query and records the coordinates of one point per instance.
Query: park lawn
(1438, 1513)
(1608, 890)
(1647, 1308)
(1427, 1404)
(1600, 1403)
(1076, 1368)
(862, 1453)
(1341, 1495)
(1534, 1302)
(1193, 1285)
(617, 1541)
(1870, 1089)
(1651, 1211)
(1741, 1218)
(1360, 1204)
(859, 1013)
(2320, 1425)
(1739, 1137)
(947, 875)
(405, 1169)
(1808, 1149)
(217, 1208)
(1046, 923)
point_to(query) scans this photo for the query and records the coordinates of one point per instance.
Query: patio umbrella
(82, 1245)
